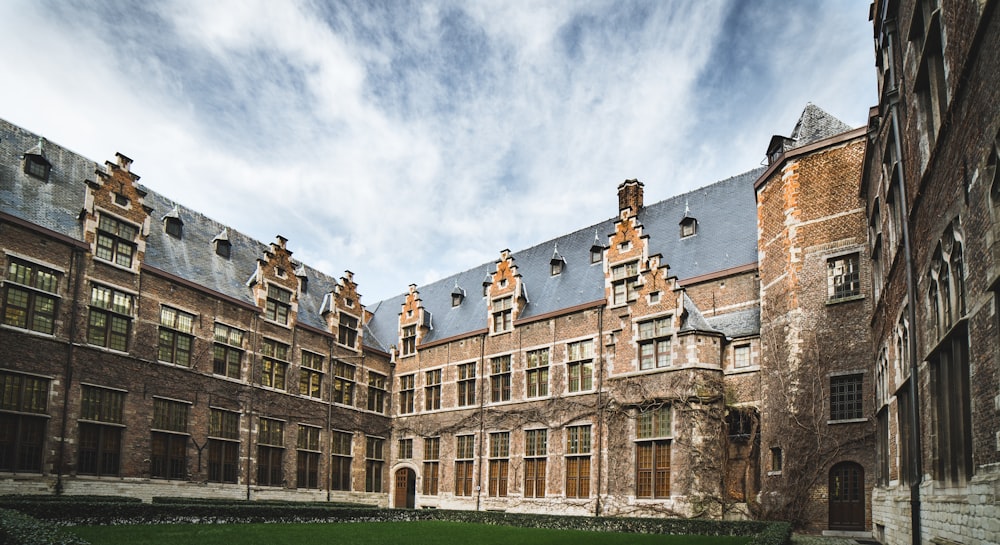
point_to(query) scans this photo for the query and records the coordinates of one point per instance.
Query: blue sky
(406, 141)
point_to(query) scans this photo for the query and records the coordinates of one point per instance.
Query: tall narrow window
(578, 462)
(115, 241)
(464, 454)
(274, 364)
(227, 352)
(776, 460)
(307, 474)
(466, 384)
(432, 465)
(499, 463)
(624, 283)
(500, 379)
(376, 392)
(654, 343)
(343, 383)
(406, 391)
(374, 460)
(409, 340)
(404, 449)
(503, 314)
(311, 375)
(170, 439)
(432, 390)
(340, 468)
(347, 330)
(101, 424)
(535, 452)
(176, 339)
(23, 402)
(537, 375)
(581, 366)
(30, 296)
(223, 446)
(110, 318)
(652, 453)
(270, 451)
(278, 305)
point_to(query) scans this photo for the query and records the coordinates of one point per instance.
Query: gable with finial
(115, 218)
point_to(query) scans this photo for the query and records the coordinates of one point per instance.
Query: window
(503, 314)
(274, 364)
(596, 254)
(37, 166)
(689, 226)
(406, 393)
(223, 248)
(776, 461)
(842, 278)
(376, 392)
(279, 303)
(499, 463)
(409, 340)
(110, 318)
(535, 451)
(227, 352)
(946, 296)
(373, 464)
(311, 375)
(30, 296)
(466, 384)
(347, 331)
(432, 465)
(952, 411)
(22, 435)
(654, 298)
(846, 397)
(537, 375)
(270, 451)
(176, 339)
(340, 468)
(581, 366)
(556, 267)
(115, 241)
(882, 446)
(654, 343)
(170, 438)
(405, 448)
(173, 227)
(223, 446)
(307, 474)
(464, 453)
(904, 415)
(500, 379)
(343, 383)
(578, 462)
(624, 283)
(931, 84)
(740, 422)
(741, 356)
(652, 453)
(101, 425)
(432, 390)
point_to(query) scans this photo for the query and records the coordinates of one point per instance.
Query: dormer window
(457, 295)
(556, 267)
(689, 226)
(174, 227)
(37, 166)
(223, 248)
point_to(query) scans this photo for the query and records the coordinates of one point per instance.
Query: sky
(407, 141)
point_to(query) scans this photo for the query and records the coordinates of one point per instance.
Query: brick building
(632, 367)
(931, 191)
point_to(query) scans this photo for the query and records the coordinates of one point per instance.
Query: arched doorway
(405, 491)
(847, 496)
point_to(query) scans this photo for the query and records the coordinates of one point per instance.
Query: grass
(379, 533)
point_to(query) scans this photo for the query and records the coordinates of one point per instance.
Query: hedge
(172, 510)
(19, 529)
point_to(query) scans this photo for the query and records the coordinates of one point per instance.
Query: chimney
(630, 196)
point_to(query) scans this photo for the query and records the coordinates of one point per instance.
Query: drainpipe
(600, 405)
(76, 270)
(329, 423)
(482, 419)
(251, 392)
(915, 446)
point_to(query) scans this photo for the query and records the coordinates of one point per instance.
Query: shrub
(20, 529)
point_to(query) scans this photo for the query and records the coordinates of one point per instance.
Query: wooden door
(405, 490)
(847, 497)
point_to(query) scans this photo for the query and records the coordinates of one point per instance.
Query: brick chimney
(630, 195)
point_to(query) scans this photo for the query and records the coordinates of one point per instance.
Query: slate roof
(814, 125)
(57, 203)
(742, 323)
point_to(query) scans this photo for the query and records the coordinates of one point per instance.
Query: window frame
(40, 287)
(227, 346)
(115, 240)
(274, 364)
(176, 328)
(117, 318)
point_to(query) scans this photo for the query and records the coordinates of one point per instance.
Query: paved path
(800, 539)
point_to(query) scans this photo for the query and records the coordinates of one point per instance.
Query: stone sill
(844, 300)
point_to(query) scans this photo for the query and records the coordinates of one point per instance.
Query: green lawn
(380, 533)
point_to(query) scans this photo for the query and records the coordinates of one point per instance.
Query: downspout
(76, 270)
(329, 424)
(482, 419)
(600, 407)
(915, 446)
(251, 393)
